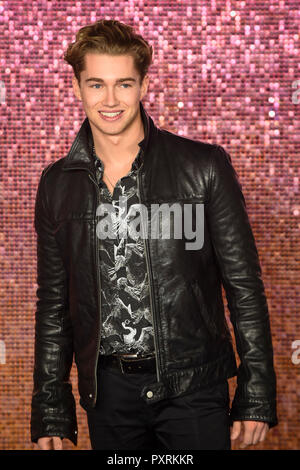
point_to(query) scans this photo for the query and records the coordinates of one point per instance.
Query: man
(142, 314)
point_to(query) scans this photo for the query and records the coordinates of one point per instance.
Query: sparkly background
(225, 72)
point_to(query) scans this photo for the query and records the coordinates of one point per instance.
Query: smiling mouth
(110, 113)
(111, 116)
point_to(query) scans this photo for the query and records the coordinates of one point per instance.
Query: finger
(248, 431)
(46, 445)
(264, 433)
(236, 429)
(57, 443)
(258, 431)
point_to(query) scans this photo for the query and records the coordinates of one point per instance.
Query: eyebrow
(119, 80)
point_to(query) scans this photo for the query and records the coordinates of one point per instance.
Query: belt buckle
(121, 365)
(136, 357)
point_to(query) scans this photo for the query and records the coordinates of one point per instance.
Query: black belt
(129, 364)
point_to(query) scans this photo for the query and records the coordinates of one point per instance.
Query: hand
(49, 443)
(254, 432)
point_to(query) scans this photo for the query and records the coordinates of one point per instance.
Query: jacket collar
(81, 151)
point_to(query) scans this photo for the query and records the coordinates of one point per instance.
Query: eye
(98, 85)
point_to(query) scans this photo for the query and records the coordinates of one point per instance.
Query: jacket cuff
(254, 409)
(66, 430)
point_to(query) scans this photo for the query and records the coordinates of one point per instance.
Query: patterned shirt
(125, 301)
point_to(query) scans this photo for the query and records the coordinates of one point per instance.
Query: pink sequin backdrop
(225, 72)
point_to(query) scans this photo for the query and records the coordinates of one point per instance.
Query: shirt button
(149, 394)
(90, 395)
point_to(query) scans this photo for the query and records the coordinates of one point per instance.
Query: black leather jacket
(192, 340)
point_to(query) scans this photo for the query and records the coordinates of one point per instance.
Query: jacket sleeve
(53, 408)
(238, 261)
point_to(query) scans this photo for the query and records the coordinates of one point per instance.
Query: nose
(110, 97)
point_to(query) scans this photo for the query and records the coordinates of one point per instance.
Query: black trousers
(122, 420)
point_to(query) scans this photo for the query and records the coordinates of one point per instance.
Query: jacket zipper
(99, 293)
(146, 248)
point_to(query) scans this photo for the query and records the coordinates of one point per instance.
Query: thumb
(236, 429)
(57, 443)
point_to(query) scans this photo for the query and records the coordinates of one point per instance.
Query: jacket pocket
(203, 308)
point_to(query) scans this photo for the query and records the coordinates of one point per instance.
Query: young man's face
(105, 94)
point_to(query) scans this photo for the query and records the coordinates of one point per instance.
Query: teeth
(111, 114)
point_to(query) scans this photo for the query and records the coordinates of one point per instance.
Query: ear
(144, 86)
(76, 88)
